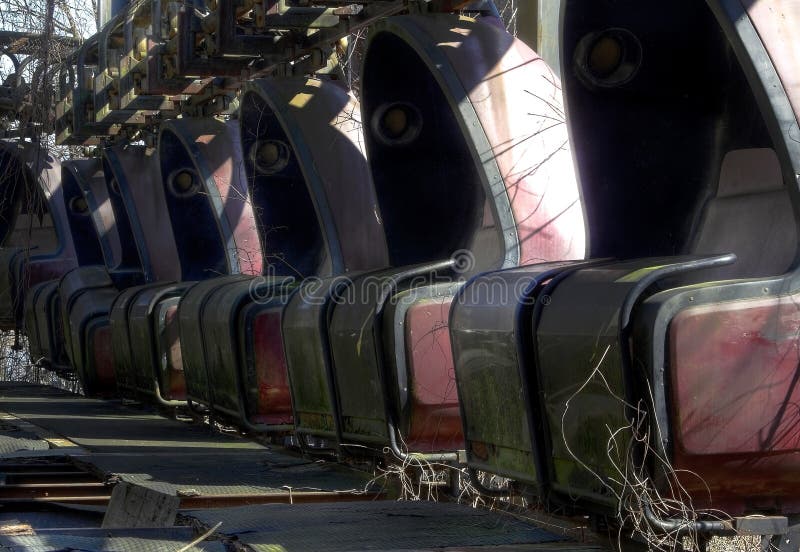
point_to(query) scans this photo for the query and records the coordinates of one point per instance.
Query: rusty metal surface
(430, 411)
(26, 482)
(29, 484)
(245, 361)
(735, 442)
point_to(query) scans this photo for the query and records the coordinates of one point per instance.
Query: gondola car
(595, 298)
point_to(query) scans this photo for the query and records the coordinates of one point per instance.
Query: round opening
(79, 206)
(114, 186)
(269, 156)
(397, 124)
(183, 183)
(605, 56)
(608, 58)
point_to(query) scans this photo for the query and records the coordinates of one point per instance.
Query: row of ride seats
(284, 350)
(40, 191)
(285, 283)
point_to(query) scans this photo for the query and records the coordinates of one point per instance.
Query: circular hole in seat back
(269, 156)
(608, 58)
(183, 183)
(79, 206)
(397, 123)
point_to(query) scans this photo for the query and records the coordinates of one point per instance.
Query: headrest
(750, 171)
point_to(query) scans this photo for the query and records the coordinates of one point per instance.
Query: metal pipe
(483, 489)
(682, 526)
(443, 457)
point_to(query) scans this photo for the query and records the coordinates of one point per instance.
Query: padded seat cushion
(751, 215)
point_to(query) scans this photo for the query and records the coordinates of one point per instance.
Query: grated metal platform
(266, 498)
(162, 454)
(140, 543)
(378, 525)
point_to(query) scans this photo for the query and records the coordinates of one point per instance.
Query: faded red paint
(434, 414)
(736, 402)
(103, 357)
(776, 22)
(231, 183)
(532, 151)
(174, 380)
(274, 405)
(44, 270)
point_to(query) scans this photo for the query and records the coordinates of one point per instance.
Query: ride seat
(740, 334)
(750, 215)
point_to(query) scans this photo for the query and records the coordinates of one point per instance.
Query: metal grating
(57, 542)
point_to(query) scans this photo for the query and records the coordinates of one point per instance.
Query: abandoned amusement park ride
(587, 285)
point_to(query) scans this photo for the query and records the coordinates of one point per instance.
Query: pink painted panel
(174, 380)
(272, 377)
(223, 154)
(434, 414)
(103, 360)
(519, 103)
(735, 371)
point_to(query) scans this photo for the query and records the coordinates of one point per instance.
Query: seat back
(39, 244)
(92, 243)
(135, 181)
(750, 215)
(480, 117)
(31, 182)
(209, 208)
(124, 250)
(316, 215)
(316, 208)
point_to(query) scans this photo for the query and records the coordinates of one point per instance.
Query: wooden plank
(135, 506)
